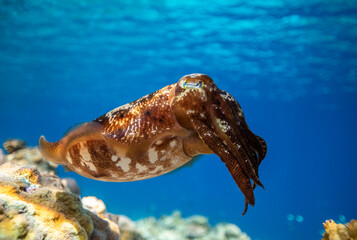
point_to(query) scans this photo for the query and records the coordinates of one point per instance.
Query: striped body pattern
(161, 132)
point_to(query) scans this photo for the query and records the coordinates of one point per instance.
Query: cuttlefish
(162, 131)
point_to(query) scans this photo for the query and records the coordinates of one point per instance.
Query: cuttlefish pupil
(161, 132)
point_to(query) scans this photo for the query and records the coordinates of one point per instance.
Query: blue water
(292, 65)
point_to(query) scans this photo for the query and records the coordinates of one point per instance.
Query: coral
(2, 157)
(32, 157)
(104, 229)
(12, 145)
(34, 206)
(338, 231)
(228, 231)
(127, 228)
(94, 205)
(352, 229)
(71, 185)
(196, 227)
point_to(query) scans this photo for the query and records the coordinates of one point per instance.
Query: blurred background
(292, 65)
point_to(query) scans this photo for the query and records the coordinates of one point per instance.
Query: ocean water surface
(292, 65)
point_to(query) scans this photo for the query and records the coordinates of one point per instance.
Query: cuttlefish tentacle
(229, 129)
(213, 117)
(162, 131)
(256, 142)
(213, 141)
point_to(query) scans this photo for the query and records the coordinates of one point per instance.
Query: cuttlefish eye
(191, 84)
(196, 81)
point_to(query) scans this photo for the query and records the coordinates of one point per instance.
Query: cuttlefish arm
(219, 122)
(257, 143)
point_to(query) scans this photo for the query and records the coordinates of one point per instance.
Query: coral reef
(94, 205)
(71, 185)
(196, 227)
(98, 213)
(12, 145)
(127, 229)
(2, 157)
(338, 231)
(36, 204)
(31, 157)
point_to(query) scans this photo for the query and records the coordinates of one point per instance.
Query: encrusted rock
(106, 226)
(71, 185)
(36, 204)
(30, 209)
(94, 205)
(104, 229)
(172, 221)
(338, 231)
(228, 231)
(352, 229)
(127, 228)
(2, 157)
(12, 145)
(196, 227)
(32, 157)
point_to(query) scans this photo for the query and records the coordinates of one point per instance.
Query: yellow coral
(28, 174)
(56, 224)
(334, 231)
(352, 229)
(30, 209)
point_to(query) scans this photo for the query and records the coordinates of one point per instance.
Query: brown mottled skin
(161, 132)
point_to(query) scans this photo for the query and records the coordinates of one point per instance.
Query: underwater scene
(291, 66)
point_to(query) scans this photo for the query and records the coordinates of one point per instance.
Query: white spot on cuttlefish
(157, 169)
(86, 157)
(114, 158)
(153, 156)
(158, 142)
(83, 151)
(172, 143)
(190, 111)
(141, 168)
(223, 125)
(194, 75)
(124, 164)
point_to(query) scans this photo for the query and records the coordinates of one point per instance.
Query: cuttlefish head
(219, 121)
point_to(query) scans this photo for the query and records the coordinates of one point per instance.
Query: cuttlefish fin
(56, 151)
(50, 150)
